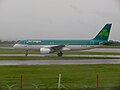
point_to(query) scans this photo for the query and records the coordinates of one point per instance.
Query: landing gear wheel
(60, 54)
(26, 54)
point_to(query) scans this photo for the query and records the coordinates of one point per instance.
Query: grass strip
(51, 58)
(74, 77)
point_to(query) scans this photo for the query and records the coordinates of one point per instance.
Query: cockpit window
(18, 41)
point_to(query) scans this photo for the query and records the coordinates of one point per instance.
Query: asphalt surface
(116, 56)
(59, 62)
(104, 50)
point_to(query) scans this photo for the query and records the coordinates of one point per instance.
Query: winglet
(104, 33)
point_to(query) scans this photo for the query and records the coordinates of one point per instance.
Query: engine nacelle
(45, 50)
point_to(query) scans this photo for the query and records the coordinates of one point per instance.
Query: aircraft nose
(16, 46)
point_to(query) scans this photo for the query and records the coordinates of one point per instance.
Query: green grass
(52, 58)
(111, 47)
(73, 76)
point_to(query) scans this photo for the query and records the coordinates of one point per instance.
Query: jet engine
(45, 50)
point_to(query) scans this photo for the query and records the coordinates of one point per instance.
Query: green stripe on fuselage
(61, 42)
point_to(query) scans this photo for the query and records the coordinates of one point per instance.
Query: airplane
(59, 46)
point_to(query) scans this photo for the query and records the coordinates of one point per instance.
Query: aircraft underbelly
(66, 48)
(82, 47)
(34, 47)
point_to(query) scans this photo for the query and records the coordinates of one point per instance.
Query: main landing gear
(60, 54)
(26, 54)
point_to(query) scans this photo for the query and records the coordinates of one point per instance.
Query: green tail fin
(104, 33)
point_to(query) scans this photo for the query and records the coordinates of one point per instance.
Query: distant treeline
(7, 42)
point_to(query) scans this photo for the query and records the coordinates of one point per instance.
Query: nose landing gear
(26, 54)
(60, 54)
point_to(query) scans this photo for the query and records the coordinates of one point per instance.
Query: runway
(64, 62)
(59, 62)
(104, 50)
(40, 55)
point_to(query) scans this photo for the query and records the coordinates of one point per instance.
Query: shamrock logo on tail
(104, 33)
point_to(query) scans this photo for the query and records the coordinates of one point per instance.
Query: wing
(55, 48)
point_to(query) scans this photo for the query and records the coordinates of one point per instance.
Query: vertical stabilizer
(104, 33)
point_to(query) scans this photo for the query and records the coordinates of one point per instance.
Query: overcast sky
(57, 19)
